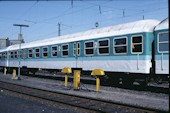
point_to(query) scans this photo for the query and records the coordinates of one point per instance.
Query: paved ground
(138, 98)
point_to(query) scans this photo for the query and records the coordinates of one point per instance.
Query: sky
(73, 16)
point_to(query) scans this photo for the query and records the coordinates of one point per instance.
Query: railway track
(92, 105)
(155, 89)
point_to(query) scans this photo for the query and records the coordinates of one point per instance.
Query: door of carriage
(76, 52)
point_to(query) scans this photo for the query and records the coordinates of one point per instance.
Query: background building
(5, 42)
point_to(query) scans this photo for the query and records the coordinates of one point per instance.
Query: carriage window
(89, 48)
(0, 55)
(24, 53)
(15, 54)
(120, 45)
(45, 52)
(37, 52)
(136, 44)
(103, 47)
(12, 54)
(54, 50)
(65, 50)
(76, 50)
(30, 53)
(163, 42)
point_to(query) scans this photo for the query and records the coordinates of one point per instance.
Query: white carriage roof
(115, 30)
(163, 25)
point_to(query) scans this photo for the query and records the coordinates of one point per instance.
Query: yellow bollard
(14, 73)
(66, 70)
(98, 73)
(77, 79)
(97, 84)
(66, 81)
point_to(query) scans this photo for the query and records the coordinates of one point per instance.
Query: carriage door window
(24, 54)
(120, 45)
(163, 42)
(89, 48)
(65, 50)
(76, 49)
(136, 44)
(54, 50)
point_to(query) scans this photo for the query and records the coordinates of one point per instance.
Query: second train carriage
(161, 53)
(124, 48)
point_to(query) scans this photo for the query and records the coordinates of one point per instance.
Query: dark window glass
(137, 39)
(89, 51)
(164, 37)
(163, 47)
(121, 49)
(120, 41)
(89, 44)
(103, 43)
(137, 48)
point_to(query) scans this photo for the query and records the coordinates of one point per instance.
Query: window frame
(16, 55)
(36, 52)
(136, 44)
(103, 46)
(43, 52)
(121, 37)
(158, 42)
(64, 50)
(55, 51)
(88, 48)
(29, 53)
(77, 48)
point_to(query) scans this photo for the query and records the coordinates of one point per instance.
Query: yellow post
(14, 73)
(66, 81)
(98, 73)
(66, 70)
(77, 79)
(97, 84)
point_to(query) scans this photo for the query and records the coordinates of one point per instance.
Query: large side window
(76, 49)
(89, 48)
(137, 44)
(37, 52)
(103, 47)
(120, 45)
(45, 51)
(30, 53)
(65, 50)
(54, 50)
(163, 42)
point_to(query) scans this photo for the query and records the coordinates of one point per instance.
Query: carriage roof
(115, 30)
(163, 25)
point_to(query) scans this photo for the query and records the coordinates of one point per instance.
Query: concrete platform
(138, 98)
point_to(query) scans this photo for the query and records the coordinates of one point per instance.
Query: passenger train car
(125, 51)
(161, 52)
